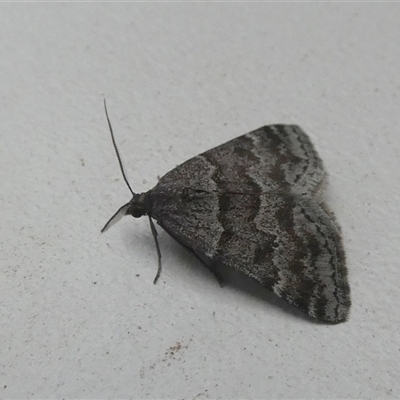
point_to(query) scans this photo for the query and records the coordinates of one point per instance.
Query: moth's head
(136, 207)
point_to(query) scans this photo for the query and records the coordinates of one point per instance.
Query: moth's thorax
(139, 205)
(174, 200)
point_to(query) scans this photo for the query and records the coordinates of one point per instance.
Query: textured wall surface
(80, 316)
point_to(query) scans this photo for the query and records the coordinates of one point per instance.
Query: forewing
(251, 204)
(271, 158)
(287, 242)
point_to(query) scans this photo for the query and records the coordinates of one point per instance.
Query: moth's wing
(287, 242)
(291, 245)
(251, 204)
(273, 157)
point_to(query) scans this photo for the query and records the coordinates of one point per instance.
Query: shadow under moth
(255, 204)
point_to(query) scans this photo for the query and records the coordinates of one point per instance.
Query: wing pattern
(255, 204)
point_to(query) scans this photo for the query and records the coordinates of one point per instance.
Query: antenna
(121, 165)
(122, 210)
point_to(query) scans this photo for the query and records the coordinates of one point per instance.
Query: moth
(255, 204)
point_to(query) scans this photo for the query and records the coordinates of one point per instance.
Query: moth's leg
(155, 234)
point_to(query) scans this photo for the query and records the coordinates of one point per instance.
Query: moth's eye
(136, 210)
(136, 213)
